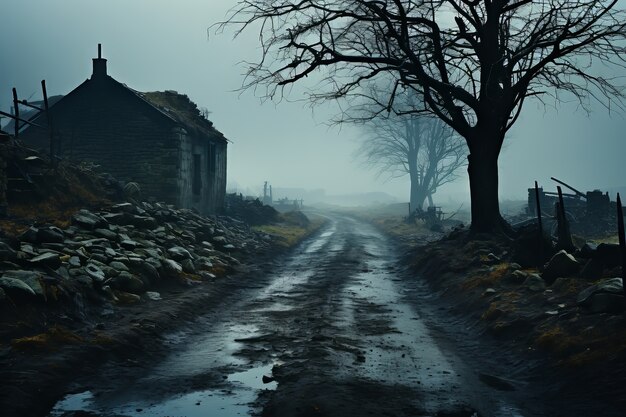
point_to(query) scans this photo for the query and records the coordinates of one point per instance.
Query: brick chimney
(99, 65)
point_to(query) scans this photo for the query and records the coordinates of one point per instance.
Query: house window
(197, 178)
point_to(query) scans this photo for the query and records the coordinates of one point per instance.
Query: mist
(160, 45)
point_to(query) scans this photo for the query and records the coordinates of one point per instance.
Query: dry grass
(49, 340)
(490, 279)
(287, 234)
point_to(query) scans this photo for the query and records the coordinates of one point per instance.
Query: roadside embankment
(564, 318)
(106, 283)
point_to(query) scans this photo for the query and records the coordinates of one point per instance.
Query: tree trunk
(417, 194)
(482, 169)
(430, 200)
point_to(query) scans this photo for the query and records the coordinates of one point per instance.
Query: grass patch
(287, 232)
(52, 338)
(488, 279)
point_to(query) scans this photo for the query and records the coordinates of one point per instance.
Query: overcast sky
(163, 45)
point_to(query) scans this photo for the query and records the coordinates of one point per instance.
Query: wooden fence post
(539, 222)
(622, 241)
(16, 110)
(48, 119)
(564, 234)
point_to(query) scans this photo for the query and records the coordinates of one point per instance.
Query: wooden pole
(622, 241)
(539, 222)
(564, 237)
(47, 110)
(16, 107)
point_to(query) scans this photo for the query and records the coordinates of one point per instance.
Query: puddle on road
(233, 401)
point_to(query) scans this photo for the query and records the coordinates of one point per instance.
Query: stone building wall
(105, 123)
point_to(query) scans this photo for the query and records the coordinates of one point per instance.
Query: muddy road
(333, 329)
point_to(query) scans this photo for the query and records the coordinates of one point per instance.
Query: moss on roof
(183, 110)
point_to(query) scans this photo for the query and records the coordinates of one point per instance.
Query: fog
(163, 45)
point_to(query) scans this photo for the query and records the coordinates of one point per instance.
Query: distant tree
(424, 148)
(475, 62)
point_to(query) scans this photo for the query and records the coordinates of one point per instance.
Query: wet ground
(337, 329)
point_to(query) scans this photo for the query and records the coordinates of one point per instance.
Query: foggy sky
(163, 45)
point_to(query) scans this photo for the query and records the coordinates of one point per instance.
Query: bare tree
(474, 62)
(422, 147)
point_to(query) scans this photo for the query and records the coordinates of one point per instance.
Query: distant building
(161, 140)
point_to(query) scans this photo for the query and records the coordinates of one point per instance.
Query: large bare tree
(422, 147)
(474, 62)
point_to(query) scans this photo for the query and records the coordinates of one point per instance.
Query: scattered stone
(609, 254)
(489, 291)
(49, 259)
(516, 277)
(106, 233)
(588, 250)
(188, 266)
(7, 253)
(592, 270)
(267, 379)
(153, 295)
(30, 278)
(172, 267)
(16, 286)
(129, 244)
(127, 282)
(50, 234)
(562, 264)
(87, 219)
(95, 272)
(127, 298)
(178, 254)
(119, 266)
(29, 235)
(534, 282)
(607, 296)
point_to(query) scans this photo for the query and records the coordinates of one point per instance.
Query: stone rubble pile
(122, 252)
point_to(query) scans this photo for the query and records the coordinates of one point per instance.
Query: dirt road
(336, 330)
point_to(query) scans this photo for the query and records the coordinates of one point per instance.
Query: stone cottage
(160, 140)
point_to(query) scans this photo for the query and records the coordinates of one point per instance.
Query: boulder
(609, 254)
(16, 286)
(188, 266)
(516, 277)
(30, 278)
(144, 222)
(119, 266)
(30, 235)
(106, 234)
(172, 267)
(127, 282)
(129, 244)
(7, 253)
(534, 282)
(85, 218)
(147, 271)
(562, 264)
(50, 234)
(588, 250)
(49, 259)
(592, 270)
(153, 295)
(607, 296)
(95, 272)
(178, 253)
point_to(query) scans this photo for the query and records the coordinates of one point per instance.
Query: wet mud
(335, 329)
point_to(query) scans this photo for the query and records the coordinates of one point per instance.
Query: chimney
(99, 65)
